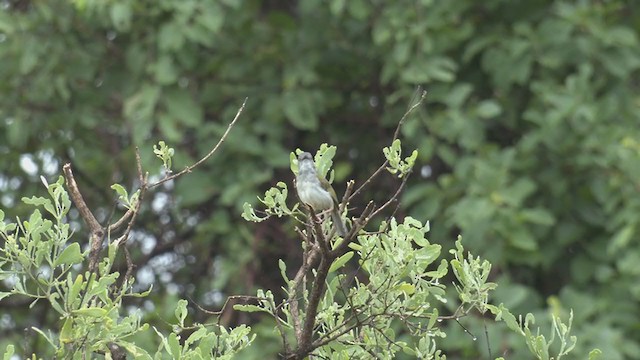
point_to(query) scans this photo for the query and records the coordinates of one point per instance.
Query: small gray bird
(316, 191)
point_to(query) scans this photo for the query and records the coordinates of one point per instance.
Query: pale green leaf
(69, 256)
(341, 261)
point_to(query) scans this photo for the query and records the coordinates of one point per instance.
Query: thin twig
(215, 148)
(130, 266)
(116, 225)
(395, 136)
(409, 111)
(395, 195)
(142, 179)
(136, 208)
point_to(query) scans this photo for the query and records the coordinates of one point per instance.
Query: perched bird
(316, 191)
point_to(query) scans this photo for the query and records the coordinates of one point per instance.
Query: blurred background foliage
(529, 139)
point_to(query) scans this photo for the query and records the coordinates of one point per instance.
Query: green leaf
(40, 201)
(121, 16)
(165, 70)
(44, 336)
(595, 354)
(538, 216)
(406, 288)
(69, 256)
(74, 290)
(170, 37)
(621, 239)
(141, 106)
(53, 300)
(283, 270)
(175, 349)
(8, 354)
(211, 17)
(249, 308)
(433, 318)
(91, 312)
(503, 314)
(299, 110)
(181, 311)
(341, 261)
(195, 336)
(182, 106)
(250, 215)
(133, 349)
(121, 191)
(488, 109)
(66, 334)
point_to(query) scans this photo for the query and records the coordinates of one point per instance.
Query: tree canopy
(528, 142)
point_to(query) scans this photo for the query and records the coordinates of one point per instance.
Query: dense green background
(529, 139)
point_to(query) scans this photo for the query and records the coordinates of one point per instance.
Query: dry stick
(97, 231)
(222, 139)
(346, 196)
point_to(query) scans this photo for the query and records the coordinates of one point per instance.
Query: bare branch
(394, 197)
(317, 290)
(409, 111)
(96, 230)
(396, 134)
(78, 200)
(215, 148)
(136, 209)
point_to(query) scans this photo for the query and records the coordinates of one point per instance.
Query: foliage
(38, 258)
(352, 318)
(527, 139)
(389, 304)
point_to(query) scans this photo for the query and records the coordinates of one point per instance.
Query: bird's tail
(337, 222)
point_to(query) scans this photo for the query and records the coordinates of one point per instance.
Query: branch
(143, 187)
(395, 195)
(396, 134)
(136, 209)
(317, 290)
(215, 148)
(409, 111)
(97, 231)
(307, 262)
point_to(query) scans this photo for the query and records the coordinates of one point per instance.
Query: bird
(316, 192)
